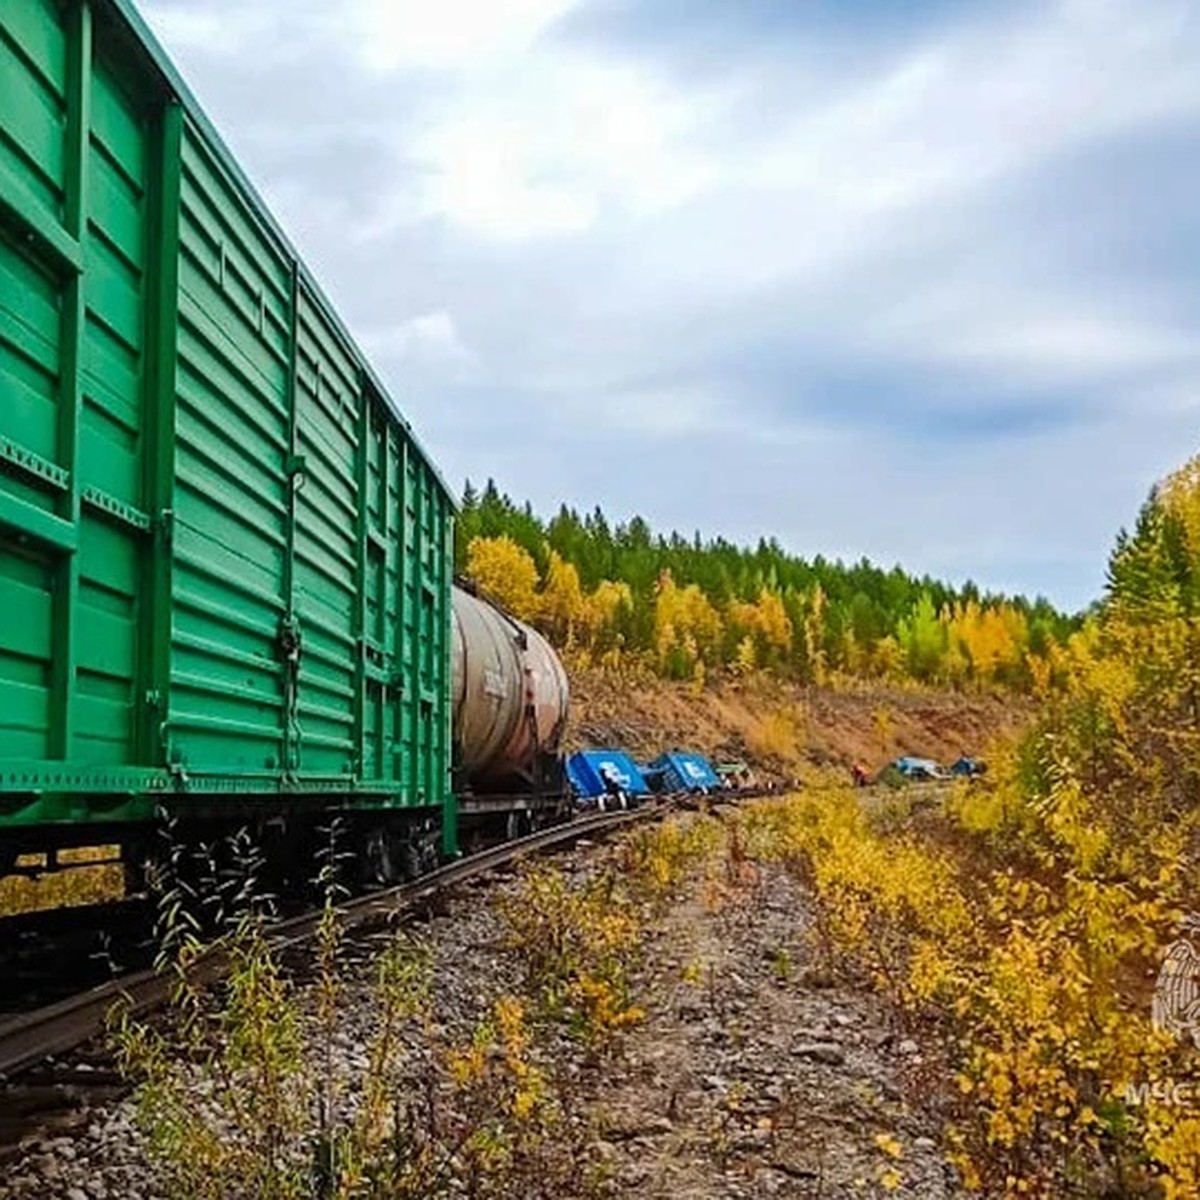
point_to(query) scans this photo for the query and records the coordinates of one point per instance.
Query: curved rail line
(37, 1035)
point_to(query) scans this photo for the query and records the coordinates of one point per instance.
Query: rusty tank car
(509, 699)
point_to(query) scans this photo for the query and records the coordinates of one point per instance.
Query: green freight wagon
(224, 558)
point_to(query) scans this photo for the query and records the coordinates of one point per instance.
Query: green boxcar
(224, 559)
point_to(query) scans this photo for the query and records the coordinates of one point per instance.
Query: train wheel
(381, 865)
(410, 859)
(518, 824)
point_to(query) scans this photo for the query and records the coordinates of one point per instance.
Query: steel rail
(33, 1037)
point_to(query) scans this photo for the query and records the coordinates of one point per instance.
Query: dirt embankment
(780, 728)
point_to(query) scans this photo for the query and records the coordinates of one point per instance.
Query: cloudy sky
(909, 280)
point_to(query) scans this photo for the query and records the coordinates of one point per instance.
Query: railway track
(33, 1037)
(48, 955)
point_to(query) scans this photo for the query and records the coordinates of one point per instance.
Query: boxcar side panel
(224, 559)
(423, 630)
(76, 161)
(229, 511)
(380, 556)
(114, 524)
(35, 46)
(329, 404)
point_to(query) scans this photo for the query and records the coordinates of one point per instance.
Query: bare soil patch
(781, 727)
(754, 1074)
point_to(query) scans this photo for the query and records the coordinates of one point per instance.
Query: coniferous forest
(610, 592)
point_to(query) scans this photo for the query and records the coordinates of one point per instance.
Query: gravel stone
(824, 1052)
(743, 1084)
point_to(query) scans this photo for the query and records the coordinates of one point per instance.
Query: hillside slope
(780, 728)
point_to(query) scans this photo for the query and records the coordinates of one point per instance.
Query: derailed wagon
(599, 775)
(682, 771)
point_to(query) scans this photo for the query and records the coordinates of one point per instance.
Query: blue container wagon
(586, 770)
(683, 771)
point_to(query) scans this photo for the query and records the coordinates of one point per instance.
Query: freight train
(226, 592)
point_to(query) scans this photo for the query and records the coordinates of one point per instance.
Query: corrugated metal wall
(221, 552)
(76, 163)
(229, 513)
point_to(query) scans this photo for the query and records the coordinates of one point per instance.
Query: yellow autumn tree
(687, 628)
(887, 659)
(1040, 669)
(986, 642)
(814, 636)
(774, 627)
(764, 627)
(506, 573)
(563, 608)
(602, 610)
(1179, 495)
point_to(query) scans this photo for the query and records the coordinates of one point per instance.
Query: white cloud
(1072, 343)
(612, 244)
(543, 147)
(429, 339)
(539, 138)
(208, 30)
(660, 413)
(1179, 396)
(253, 35)
(448, 34)
(482, 175)
(970, 106)
(996, 326)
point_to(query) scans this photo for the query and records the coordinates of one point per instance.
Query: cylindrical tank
(510, 693)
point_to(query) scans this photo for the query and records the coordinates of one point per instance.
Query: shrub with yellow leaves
(1038, 977)
(577, 942)
(660, 858)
